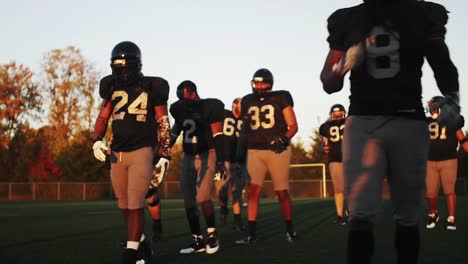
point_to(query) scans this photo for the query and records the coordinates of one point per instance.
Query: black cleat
(212, 244)
(197, 245)
(145, 252)
(129, 256)
(246, 241)
(291, 237)
(432, 220)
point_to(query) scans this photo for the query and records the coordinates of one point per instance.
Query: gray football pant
(131, 176)
(375, 147)
(197, 177)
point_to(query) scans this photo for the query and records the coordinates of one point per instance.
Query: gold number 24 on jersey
(138, 107)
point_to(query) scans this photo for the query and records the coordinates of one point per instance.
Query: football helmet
(126, 62)
(236, 107)
(430, 106)
(189, 85)
(337, 112)
(262, 82)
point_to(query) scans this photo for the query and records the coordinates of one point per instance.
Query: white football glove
(99, 147)
(352, 59)
(160, 170)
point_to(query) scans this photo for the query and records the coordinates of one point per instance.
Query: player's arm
(332, 80)
(100, 128)
(290, 118)
(175, 132)
(164, 131)
(324, 146)
(462, 139)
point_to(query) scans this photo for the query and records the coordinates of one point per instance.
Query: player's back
(396, 42)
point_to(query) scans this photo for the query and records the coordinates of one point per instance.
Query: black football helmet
(434, 100)
(126, 62)
(337, 112)
(262, 82)
(189, 85)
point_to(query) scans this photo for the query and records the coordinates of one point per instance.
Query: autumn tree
(19, 99)
(70, 84)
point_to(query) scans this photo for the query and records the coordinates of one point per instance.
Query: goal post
(324, 175)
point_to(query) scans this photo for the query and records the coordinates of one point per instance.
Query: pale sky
(217, 44)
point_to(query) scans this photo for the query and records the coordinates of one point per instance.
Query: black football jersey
(133, 123)
(444, 141)
(264, 117)
(388, 81)
(231, 131)
(195, 117)
(333, 131)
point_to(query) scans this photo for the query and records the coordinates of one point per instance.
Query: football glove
(160, 170)
(353, 58)
(279, 144)
(99, 149)
(449, 110)
(220, 171)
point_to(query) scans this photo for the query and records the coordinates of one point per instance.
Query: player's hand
(220, 171)
(99, 149)
(160, 170)
(352, 59)
(279, 144)
(449, 110)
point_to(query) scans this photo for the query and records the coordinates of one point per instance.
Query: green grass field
(89, 232)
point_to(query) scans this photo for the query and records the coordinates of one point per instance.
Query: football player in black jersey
(442, 165)
(332, 136)
(138, 107)
(383, 44)
(238, 176)
(270, 123)
(201, 121)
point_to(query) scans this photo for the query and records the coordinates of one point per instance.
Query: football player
(383, 45)
(442, 164)
(332, 136)
(138, 106)
(238, 175)
(270, 123)
(201, 121)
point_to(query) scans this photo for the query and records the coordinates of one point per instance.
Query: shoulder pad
(105, 87)
(339, 24)
(175, 109)
(159, 89)
(284, 97)
(213, 110)
(435, 13)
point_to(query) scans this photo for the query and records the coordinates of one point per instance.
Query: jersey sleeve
(105, 87)
(461, 123)
(336, 30)
(322, 130)
(213, 110)
(174, 109)
(159, 90)
(285, 99)
(436, 17)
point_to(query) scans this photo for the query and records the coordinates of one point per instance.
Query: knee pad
(155, 201)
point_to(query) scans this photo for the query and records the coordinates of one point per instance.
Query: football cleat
(340, 220)
(246, 241)
(129, 256)
(145, 252)
(212, 244)
(451, 223)
(432, 220)
(291, 237)
(197, 245)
